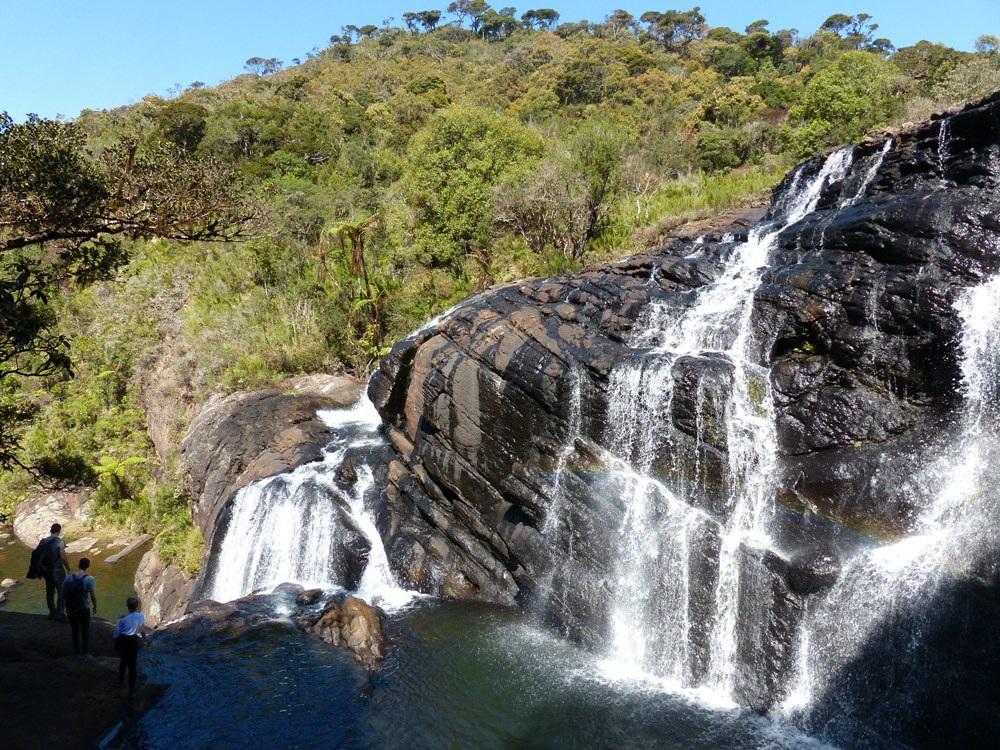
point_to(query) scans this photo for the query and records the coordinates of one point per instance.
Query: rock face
(46, 692)
(34, 517)
(353, 625)
(163, 590)
(243, 437)
(165, 390)
(232, 442)
(499, 412)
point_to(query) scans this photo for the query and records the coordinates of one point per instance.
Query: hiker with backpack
(76, 589)
(49, 561)
(128, 638)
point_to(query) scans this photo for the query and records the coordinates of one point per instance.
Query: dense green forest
(399, 170)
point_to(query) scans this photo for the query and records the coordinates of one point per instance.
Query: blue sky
(64, 55)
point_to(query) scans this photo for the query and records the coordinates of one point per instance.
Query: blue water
(458, 675)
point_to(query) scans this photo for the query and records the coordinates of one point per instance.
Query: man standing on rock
(128, 638)
(76, 588)
(54, 565)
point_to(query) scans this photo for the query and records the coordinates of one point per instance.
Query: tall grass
(641, 220)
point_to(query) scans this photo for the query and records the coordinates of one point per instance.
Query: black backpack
(41, 559)
(75, 593)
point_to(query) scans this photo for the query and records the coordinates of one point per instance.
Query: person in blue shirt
(128, 638)
(75, 591)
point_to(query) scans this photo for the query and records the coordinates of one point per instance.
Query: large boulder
(496, 410)
(353, 625)
(34, 516)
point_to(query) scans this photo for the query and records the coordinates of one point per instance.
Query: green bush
(843, 102)
(722, 148)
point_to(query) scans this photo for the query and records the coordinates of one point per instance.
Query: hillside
(399, 170)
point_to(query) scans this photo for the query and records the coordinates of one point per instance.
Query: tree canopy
(64, 212)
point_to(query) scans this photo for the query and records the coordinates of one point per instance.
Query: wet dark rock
(854, 318)
(207, 620)
(769, 613)
(308, 597)
(346, 473)
(814, 570)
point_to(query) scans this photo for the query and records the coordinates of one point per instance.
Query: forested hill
(402, 168)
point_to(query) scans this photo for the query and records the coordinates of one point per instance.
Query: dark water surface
(458, 675)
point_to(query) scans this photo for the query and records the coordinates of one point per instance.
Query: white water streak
(660, 529)
(869, 175)
(286, 528)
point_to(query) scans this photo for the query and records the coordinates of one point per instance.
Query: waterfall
(952, 534)
(307, 527)
(557, 526)
(664, 537)
(943, 154)
(876, 163)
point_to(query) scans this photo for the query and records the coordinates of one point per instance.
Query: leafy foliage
(393, 173)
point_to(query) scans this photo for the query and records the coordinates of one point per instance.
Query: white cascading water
(873, 168)
(950, 536)
(557, 523)
(283, 528)
(661, 528)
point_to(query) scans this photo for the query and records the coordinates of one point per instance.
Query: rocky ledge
(499, 412)
(231, 442)
(50, 698)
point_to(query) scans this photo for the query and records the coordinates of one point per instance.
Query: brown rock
(309, 596)
(355, 626)
(164, 590)
(341, 390)
(34, 516)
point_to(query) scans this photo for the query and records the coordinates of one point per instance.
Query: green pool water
(115, 583)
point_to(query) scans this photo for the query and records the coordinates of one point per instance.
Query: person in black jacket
(54, 565)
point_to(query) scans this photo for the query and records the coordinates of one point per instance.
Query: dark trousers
(53, 592)
(79, 623)
(128, 648)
